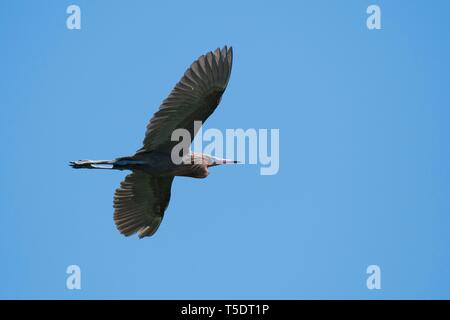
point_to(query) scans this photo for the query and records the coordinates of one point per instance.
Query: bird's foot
(81, 164)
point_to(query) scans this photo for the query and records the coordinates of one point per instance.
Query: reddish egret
(143, 196)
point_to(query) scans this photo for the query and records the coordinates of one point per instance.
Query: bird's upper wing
(140, 202)
(194, 98)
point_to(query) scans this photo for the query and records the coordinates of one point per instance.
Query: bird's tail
(92, 164)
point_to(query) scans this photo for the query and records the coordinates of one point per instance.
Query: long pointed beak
(217, 161)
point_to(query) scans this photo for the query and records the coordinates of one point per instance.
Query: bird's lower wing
(140, 202)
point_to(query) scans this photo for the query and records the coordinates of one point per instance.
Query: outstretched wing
(194, 98)
(140, 202)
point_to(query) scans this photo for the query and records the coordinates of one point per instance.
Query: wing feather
(194, 98)
(140, 202)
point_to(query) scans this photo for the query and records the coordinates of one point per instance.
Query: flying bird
(143, 196)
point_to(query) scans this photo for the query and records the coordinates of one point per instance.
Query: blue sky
(364, 149)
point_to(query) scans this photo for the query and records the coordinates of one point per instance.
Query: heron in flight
(144, 194)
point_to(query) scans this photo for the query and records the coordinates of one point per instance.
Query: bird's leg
(92, 164)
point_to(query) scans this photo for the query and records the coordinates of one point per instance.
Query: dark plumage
(143, 196)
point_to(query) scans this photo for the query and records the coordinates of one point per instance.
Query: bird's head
(209, 161)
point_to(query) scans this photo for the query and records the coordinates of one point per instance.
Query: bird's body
(161, 164)
(157, 164)
(144, 195)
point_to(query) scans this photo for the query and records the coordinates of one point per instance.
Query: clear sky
(364, 149)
